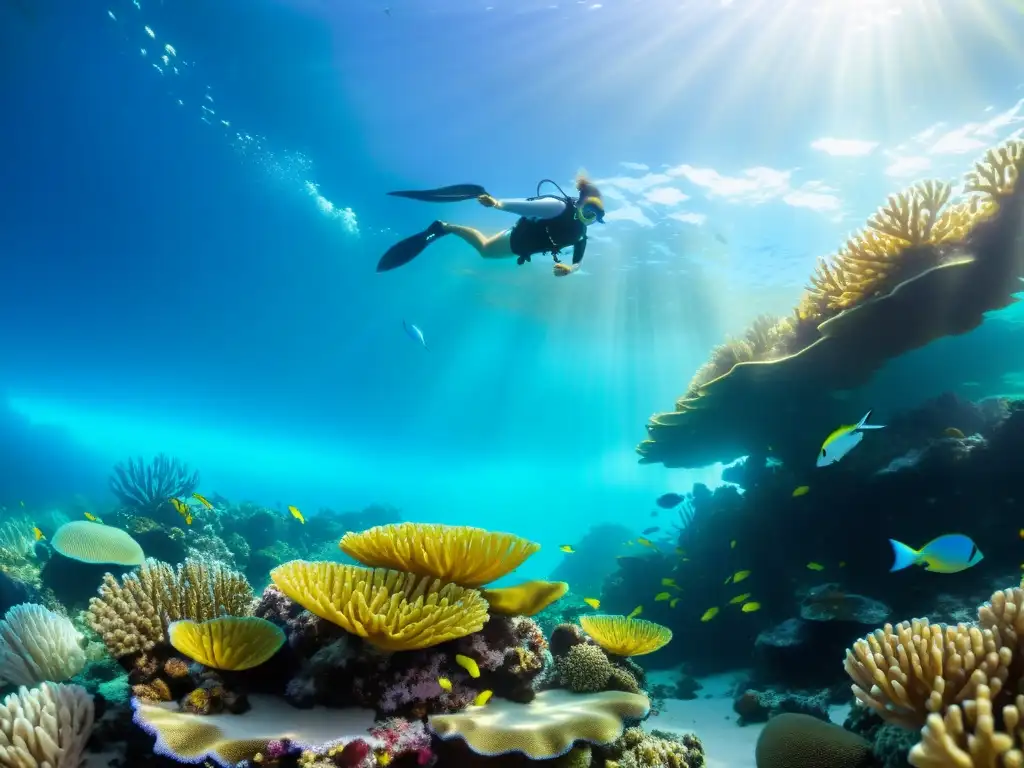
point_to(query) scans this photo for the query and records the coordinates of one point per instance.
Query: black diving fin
(455, 193)
(406, 250)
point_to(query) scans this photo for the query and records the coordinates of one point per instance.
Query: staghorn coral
(585, 669)
(38, 645)
(457, 554)
(908, 671)
(393, 610)
(132, 615)
(233, 643)
(46, 727)
(622, 636)
(145, 488)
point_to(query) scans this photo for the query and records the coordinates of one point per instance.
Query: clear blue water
(174, 283)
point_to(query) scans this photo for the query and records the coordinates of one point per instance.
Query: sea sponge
(544, 728)
(908, 671)
(585, 669)
(393, 610)
(966, 736)
(132, 615)
(45, 727)
(227, 642)
(38, 645)
(458, 554)
(637, 749)
(792, 740)
(90, 542)
(228, 739)
(526, 599)
(626, 637)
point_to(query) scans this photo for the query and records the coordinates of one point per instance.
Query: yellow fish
(732, 544)
(482, 698)
(445, 683)
(750, 607)
(202, 500)
(662, 596)
(709, 614)
(674, 602)
(843, 440)
(593, 602)
(645, 543)
(953, 432)
(739, 598)
(92, 518)
(383, 758)
(739, 576)
(468, 664)
(297, 514)
(37, 533)
(640, 609)
(567, 549)
(669, 583)
(800, 491)
(815, 566)
(179, 506)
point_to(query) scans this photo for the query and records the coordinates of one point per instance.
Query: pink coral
(277, 748)
(353, 754)
(401, 737)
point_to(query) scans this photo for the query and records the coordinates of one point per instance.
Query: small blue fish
(951, 553)
(415, 334)
(843, 440)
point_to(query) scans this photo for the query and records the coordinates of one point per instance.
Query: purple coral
(418, 685)
(277, 748)
(402, 737)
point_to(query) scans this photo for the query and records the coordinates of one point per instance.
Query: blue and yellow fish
(951, 553)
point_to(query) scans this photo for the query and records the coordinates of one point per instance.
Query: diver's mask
(589, 210)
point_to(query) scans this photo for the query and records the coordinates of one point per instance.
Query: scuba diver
(547, 224)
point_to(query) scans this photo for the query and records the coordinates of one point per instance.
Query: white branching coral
(38, 645)
(46, 727)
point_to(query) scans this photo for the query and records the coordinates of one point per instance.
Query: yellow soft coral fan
(905, 672)
(230, 642)
(393, 610)
(626, 637)
(458, 554)
(526, 599)
(132, 615)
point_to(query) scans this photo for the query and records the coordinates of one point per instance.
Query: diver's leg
(493, 247)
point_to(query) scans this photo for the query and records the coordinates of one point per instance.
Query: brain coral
(792, 740)
(38, 645)
(585, 668)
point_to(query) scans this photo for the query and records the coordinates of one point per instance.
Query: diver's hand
(487, 201)
(561, 270)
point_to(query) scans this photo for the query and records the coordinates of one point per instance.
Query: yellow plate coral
(470, 557)
(229, 642)
(394, 610)
(526, 599)
(626, 637)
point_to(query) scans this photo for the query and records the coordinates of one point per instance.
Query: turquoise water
(188, 244)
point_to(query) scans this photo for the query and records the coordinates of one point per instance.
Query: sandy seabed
(710, 716)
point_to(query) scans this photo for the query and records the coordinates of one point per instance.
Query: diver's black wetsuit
(533, 236)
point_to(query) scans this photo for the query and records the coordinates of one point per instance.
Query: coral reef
(45, 727)
(869, 303)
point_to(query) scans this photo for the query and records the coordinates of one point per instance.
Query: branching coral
(132, 615)
(899, 241)
(46, 727)
(143, 487)
(908, 671)
(38, 645)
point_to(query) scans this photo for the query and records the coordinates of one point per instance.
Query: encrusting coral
(920, 236)
(38, 645)
(132, 615)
